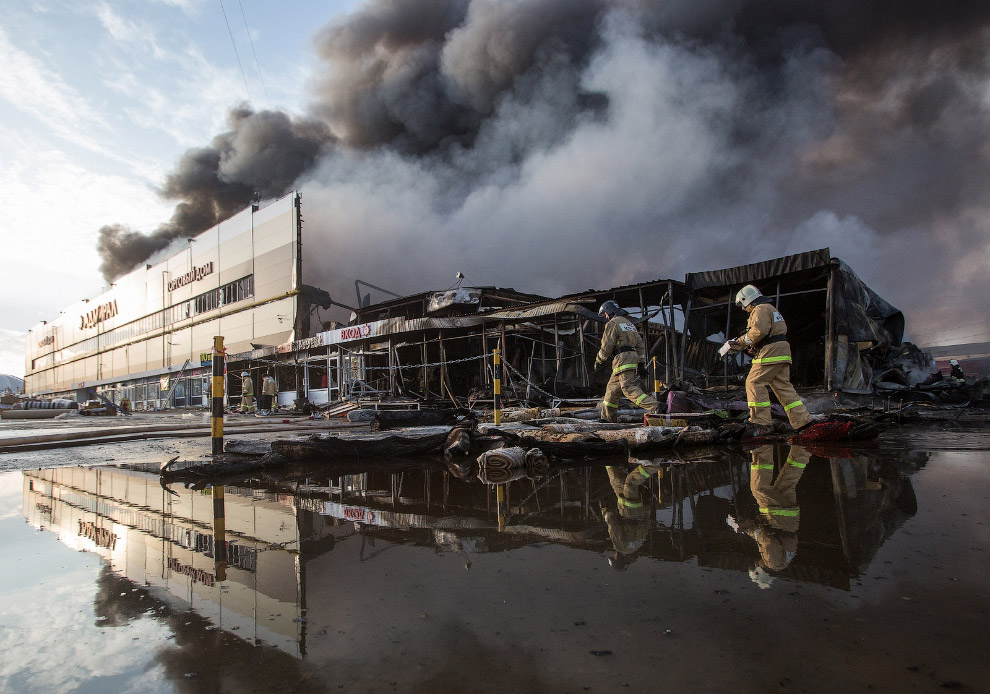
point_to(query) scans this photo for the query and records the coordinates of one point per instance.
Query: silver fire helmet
(609, 307)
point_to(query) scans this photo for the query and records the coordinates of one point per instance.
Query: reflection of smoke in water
(554, 145)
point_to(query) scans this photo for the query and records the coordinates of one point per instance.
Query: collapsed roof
(840, 330)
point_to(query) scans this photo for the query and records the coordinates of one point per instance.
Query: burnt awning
(815, 262)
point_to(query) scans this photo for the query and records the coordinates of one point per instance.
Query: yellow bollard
(216, 401)
(497, 369)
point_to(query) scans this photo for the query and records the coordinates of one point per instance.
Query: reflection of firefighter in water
(629, 523)
(775, 528)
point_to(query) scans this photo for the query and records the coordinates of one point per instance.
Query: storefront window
(195, 392)
(285, 376)
(317, 376)
(179, 394)
(152, 399)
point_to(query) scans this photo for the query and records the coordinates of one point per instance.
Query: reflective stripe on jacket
(765, 321)
(621, 332)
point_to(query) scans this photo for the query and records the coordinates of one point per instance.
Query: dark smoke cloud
(556, 145)
(423, 74)
(262, 153)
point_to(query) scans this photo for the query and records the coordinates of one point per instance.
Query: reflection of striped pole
(216, 402)
(219, 535)
(498, 385)
(500, 504)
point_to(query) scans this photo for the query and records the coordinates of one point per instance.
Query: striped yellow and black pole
(657, 383)
(219, 535)
(216, 402)
(497, 370)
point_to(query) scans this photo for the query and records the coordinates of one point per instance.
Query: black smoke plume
(262, 154)
(555, 145)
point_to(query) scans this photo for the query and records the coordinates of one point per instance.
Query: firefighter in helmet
(956, 372)
(247, 393)
(622, 346)
(269, 391)
(765, 340)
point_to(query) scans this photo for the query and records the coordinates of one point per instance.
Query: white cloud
(12, 352)
(54, 244)
(166, 86)
(33, 88)
(11, 493)
(119, 28)
(187, 6)
(61, 602)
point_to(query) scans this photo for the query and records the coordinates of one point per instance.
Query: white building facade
(149, 337)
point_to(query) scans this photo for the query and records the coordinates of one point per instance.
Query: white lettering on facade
(194, 275)
(98, 315)
(355, 333)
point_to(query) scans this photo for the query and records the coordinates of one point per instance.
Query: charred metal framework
(435, 347)
(839, 329)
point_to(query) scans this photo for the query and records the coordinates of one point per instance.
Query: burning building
(149, 337)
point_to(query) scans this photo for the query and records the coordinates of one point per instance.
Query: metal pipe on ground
(121, 434)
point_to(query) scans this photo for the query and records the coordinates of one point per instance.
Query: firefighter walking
(247, 393)
(765, 340)
(623, 345)
(269, 391)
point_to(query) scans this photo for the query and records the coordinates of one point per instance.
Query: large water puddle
(770, 569)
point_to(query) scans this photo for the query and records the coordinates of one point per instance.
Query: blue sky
(97, 102)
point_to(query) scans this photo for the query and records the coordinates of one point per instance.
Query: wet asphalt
(835, 569)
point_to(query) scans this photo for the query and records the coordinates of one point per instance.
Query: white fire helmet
(245, 373)
(760, 577)
(747, 295)
(954, 362)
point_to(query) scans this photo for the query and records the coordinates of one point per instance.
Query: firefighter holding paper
(622, 345)
(765, 340)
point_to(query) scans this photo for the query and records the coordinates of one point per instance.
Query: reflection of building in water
(681, 511)
(166, 542)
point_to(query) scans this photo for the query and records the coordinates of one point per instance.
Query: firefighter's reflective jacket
(621, 343)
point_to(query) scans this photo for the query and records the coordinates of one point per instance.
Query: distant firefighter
(268, 392)
(956, 372)
(247, 393)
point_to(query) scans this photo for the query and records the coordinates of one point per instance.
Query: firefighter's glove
(598, 365)
(641, 370)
